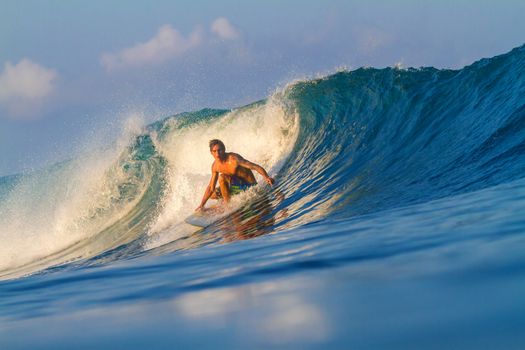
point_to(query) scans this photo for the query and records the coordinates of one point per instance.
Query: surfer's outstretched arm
(247, 164)
(210, 189)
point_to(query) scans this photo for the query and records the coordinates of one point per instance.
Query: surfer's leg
(216, 194)
(224, 185)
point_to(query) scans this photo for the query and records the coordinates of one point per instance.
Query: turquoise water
(397, 221)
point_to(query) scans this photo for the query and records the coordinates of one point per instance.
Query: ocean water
(397, 222)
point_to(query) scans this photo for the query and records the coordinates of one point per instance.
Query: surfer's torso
(230, 166)
(233, 172)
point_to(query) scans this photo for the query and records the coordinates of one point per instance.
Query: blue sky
(72, 70)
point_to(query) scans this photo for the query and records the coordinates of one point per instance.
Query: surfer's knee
(224, 184)
(224, 179)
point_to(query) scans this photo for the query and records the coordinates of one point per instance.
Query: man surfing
(233, 172)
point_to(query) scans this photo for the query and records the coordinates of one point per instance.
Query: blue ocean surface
(397, 221)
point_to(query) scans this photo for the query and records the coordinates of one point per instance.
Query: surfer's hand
(199, 208)
(270, 181)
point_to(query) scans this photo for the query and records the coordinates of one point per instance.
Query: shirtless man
(233, 172)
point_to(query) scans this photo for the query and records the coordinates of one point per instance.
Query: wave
(345, 145)
(149, 181)
(374, 139)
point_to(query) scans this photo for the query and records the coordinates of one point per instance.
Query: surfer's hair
(217, 142)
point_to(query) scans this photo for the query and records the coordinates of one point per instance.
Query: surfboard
(206, 217)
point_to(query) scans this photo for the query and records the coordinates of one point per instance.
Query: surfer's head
(217, 149)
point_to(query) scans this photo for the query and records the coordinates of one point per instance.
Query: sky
(74, 71)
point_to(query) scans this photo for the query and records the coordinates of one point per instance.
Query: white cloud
(24, 86)
(224, 29)
(168, 43)
(26, 80)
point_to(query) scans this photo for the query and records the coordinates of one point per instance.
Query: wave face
(375, 139)
(346, 145)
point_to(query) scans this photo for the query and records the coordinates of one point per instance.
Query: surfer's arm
(247, 164)
(209, 189)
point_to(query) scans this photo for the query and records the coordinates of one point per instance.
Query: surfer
(232, 171)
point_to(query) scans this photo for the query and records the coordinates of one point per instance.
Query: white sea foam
(50, 211)
(53, 209)
(264, 134)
